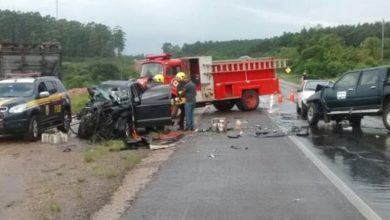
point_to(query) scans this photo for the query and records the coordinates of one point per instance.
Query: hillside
(323, 52)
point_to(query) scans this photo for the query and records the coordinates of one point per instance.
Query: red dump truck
(223, 83)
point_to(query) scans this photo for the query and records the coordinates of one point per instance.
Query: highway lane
(360, 157)
(214, 177)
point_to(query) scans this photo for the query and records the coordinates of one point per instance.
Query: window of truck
(348, 80)
(172, 71)
(151, 69)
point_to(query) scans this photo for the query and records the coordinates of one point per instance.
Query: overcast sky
(150, 23)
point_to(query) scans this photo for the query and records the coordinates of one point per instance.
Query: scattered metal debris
(237, 135)
(235, 147)
(219, 125)
(67, 150)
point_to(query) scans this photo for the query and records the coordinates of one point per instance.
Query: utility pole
(56, 9)
(383, 37)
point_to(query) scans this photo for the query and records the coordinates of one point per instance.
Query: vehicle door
(154, 108)
(46, 111)
(342, 95)
(55, 100)
(369, 90)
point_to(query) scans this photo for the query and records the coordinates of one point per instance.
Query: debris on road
(235, 135)
(219, 125)
(56, 138)
(235, 147)
(267, 134)
(163, 141)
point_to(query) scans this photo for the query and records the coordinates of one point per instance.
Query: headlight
(18, 108)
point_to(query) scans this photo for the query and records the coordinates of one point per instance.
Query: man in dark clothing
(189, 92)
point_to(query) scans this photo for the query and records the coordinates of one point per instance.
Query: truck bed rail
(248, 65)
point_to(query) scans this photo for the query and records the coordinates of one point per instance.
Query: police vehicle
(29, 106)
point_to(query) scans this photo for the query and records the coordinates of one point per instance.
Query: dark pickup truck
(355, 94)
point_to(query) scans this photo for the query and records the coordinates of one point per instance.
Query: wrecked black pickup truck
(117, 108)
(357, 93)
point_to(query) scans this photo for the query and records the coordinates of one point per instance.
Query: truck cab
(355, 94)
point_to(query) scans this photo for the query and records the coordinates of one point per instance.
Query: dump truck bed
(30, 60)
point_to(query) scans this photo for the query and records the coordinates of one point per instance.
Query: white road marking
(356, 201)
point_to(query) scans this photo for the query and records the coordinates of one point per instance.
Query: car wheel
(298, 109)
(312, 115)
(82, 131)
(249, 101)
(33, 132)
(65, 127)
(224, 106)
(386, 117)
(355, 122)
(304, 111)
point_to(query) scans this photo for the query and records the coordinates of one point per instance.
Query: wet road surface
(214, 177)
(360, 157)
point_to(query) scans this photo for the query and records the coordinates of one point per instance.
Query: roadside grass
(99, 171)
(290, 77)
(78, 102)
(94, 153)
(102, 171)
(54, 207)
(131, 160)
(97, 151)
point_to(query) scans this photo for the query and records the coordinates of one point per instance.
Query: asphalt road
(214, 177)
(359, 157)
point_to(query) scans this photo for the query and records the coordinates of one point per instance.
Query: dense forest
(91, 51)
(321, 51)
(92, 48)
(77, 39)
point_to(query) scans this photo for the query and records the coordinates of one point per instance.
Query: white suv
(307, 90)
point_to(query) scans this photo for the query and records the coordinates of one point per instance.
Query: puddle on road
(360, 157)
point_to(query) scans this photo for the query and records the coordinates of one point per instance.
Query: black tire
(33, 131)
(299, 110)
(386, 116)
(240, 106)
(249, 101)
(65, 127)
(82, 131)
(355, 122)
(304, 111)
(313, 115)
(224, 106)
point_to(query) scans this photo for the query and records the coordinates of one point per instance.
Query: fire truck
(223, 83)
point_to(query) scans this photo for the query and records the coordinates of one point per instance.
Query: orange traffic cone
(292, 96)
(280, 97)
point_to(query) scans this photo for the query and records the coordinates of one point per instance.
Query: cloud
(150, 23)
(284, 17)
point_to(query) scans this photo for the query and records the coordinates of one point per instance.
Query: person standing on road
(303, 78)
(189, 92)
(177, 86)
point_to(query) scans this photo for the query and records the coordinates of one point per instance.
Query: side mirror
(44, 94)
